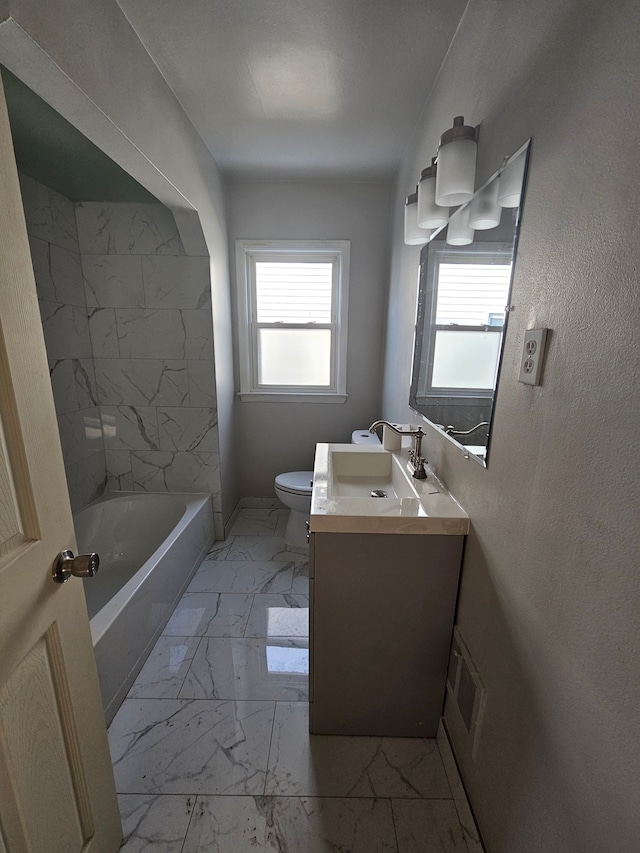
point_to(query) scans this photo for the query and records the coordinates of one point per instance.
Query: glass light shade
(511, 180)
(456, 175)
(458, 231)
(430, 215)
(413, 236)
(484, 210)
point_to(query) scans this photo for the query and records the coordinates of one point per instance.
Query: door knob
(82, 566)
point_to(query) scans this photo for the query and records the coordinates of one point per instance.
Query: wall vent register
(465, 689)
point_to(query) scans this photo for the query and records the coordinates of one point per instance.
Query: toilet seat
(295, 482)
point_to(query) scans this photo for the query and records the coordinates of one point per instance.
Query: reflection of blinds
(293, 292)
(469, 293)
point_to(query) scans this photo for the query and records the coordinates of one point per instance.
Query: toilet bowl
(293, 489)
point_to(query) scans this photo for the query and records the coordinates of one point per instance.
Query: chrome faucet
(415, 457)
(451, 430)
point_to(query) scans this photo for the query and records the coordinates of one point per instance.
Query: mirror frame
(424, 313)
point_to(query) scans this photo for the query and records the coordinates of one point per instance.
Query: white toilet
(294, 490)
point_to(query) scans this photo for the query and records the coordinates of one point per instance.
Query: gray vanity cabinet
(382, 609)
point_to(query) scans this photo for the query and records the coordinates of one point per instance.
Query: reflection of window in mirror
(465, 316)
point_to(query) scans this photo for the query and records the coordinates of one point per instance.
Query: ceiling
(300, 88)
(277, 89)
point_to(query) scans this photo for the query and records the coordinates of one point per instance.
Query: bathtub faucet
(415, 457)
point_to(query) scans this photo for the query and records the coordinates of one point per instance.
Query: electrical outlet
(532, 355)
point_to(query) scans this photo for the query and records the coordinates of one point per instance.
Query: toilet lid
(296, 482)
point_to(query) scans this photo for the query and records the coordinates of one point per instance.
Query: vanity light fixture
(459, 233)
(456, 174)
(511, 180)
(484, 210)
(430, 215)
(413, 236)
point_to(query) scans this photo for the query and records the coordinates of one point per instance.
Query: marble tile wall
(55, 254)
(129, 335)
(149, 316)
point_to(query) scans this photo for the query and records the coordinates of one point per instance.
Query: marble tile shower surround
(128, 328)
(211, 748)
(55, 253)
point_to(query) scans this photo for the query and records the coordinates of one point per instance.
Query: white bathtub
(149, 545)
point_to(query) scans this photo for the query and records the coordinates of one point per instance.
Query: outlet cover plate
(532, 355)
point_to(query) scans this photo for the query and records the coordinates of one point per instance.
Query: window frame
(500, 253)
(248, 252)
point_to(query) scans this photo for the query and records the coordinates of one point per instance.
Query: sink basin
(355, 474)
(346, 475)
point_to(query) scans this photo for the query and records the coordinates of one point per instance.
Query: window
(466, 299)
(292, 319)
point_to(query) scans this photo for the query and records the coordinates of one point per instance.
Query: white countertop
(429, 510)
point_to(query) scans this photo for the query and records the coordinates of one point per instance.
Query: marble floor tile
(165, 669)
(300, 582)
(256, 522)
(255, 548)
(154, 822)
(290, 825)
(175, 746)
(301, 764)
(211, 749)
(211, 614)
(276, 510)
(277, 668)
(428, 825)
(242, 576)
(278, 616)
(261, 503)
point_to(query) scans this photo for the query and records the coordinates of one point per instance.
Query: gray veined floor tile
(255, 548)
(175, 746)
(278, 616)
(277, 668)
(154, 822)
(428, 825)
(290, 825)
(301, 764)
(242, 576)
(256, 522)
(211, 614)
(165, 669)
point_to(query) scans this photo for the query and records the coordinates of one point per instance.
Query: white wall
(277, 437)
(84, 59)
(549, 594)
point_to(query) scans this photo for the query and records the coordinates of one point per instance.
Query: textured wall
(549, 594)
(277, 437)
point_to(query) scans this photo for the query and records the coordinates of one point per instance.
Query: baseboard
(228, 524)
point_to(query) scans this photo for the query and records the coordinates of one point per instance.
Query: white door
(57, 793)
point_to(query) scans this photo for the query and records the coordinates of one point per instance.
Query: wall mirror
(464, 289)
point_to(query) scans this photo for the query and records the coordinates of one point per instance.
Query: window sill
(296, 397)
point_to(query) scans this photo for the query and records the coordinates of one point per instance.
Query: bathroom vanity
(383, 585)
